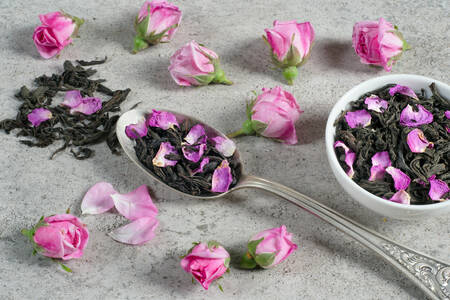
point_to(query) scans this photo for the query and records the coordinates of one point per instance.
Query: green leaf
(252, 246)
(213, 244)
(65, 268)
(258, 126)
(247, 262)
(265, 259)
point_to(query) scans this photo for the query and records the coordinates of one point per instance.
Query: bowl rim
(330, 133)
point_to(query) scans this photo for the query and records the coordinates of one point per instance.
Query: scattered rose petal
(447, 114)
(404, 90)
(72, 99)
(136, 204)
(98, 199)
(411, 118)
(88, 106)
(222, 178)
(162, 119)
(401, 197)
(193, 153)
(39, 115)
(135, 131)
(137, 232)
(401, 180)
(376, 104)
(164, 149)
(358, 118)
(380, 161)
(196, 135)
(203, 163)
(350, 157)
(417, 141)
(224, 145)
(438, 189)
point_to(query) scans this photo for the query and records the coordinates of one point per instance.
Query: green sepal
(78, 22)
(29, 233)
(212, 245)
(141, 27)
(258, 126)
(265, 259)
(249, 108)
(204, 79)
(247, 262)
(226, 263)
(290, 73)
(220, 287)
(65, 268)
(139, 44)
(251, 246)
(190, 250)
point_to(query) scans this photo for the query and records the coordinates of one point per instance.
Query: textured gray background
(328, 265)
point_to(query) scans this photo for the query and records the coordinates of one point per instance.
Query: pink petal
(39, 115)
(401, 197)
(224, 145)
(447, 114)
(135, 131)
(222, 178)
(380, 161)
(203, 163)
(358, 118)
(350, 157)
(194, 153)
(164, 149)
(137, 232)
(417, 141)
(51, 239)
(196, 135)
(88, 106)
(438, 189)
(411, 118)
(404, 90)
(162, 119)
(401, 180)
(376, 104)
(136, 204)
(72, 99)
(98, 199)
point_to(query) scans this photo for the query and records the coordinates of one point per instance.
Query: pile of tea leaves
(76, 130)
(413, 133)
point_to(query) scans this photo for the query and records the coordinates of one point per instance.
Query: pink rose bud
(268, 248)
(156, 22)
(273, 115)
(291, 44)
(206, 262)
(378, 43)
(55, 33)
(196, 65)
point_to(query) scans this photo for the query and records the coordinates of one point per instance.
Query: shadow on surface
(310, 128)
(20, 40)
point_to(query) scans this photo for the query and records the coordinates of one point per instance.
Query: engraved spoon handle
(429, 274)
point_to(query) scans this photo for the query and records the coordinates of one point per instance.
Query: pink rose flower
(273, 114)
(378, 43)
(55, 33)
(59, 236)
(291, 44)
(196, 65)
(206, 262)
(156, 22)
(268, 248)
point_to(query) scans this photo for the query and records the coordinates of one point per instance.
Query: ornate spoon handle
(429, 274)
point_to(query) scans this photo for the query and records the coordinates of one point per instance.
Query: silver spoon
(428, 273)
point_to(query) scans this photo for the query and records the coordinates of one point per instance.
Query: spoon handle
(429, 274)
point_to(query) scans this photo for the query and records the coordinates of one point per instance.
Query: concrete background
(328, 265)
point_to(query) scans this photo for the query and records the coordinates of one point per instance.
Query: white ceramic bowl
(375, 203)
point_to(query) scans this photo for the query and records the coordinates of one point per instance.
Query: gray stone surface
(328, 265)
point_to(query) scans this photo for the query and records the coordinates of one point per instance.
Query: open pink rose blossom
(76, 103)
(376, 104)
(358, 118)
(378, 43)
(349, 159)
(411, 118)
(290, 44)
(39, 115)
(55, 33)
(206, 262)
(222, 178)
(195, 65)
(404, 90)
(156, 22)
(162, 119)
(417, 141)
(273, 115)
(438, 188)
(380, 161)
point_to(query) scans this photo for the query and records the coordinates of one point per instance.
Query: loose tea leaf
(75, 130)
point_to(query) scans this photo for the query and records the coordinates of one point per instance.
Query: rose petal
(98, 199)
(380, 161)
(39, 115)
(194, 153)
(224, 145)
(401, 197)
(72, 99)
(376, 104)
(411, 118)
(137, 232)
(136, 204)
(358, 118)
(350, 157)
(88, 106)
(222, 178)
(196, 135)
(401, 180)
(417, 141)
(203, 163)
(438, 189)
(164, 149)
(135, 131)
(404, 90)
(162, 119)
